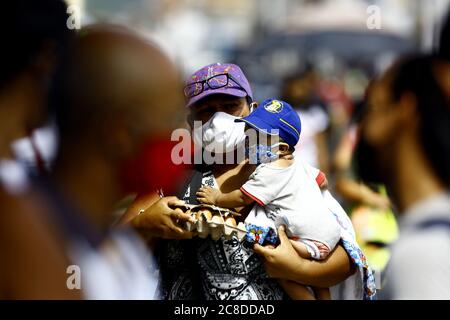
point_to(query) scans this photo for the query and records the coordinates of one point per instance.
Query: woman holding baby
(227, 269)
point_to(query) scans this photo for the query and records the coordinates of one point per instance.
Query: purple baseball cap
(233, 82)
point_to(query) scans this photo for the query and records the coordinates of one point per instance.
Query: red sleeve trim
(252, 196)
(320, 178)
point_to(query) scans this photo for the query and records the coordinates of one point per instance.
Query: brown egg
(207, 214)
(230, 221)
(204, 212)
(217, 219)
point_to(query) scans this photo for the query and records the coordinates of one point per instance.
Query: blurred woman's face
(382, 121)
(204, 109)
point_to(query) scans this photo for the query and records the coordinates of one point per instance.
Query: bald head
(114, 75)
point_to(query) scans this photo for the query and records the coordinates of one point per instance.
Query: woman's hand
(283, 262)
(160, 221)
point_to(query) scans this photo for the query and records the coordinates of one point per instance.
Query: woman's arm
(283, 262)
(141, 202)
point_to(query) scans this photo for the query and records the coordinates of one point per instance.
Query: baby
(285, 189)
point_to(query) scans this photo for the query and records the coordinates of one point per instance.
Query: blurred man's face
(204, 109)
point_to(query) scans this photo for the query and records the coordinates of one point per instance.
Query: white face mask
(220, 134)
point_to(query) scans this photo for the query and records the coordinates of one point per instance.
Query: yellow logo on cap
(274, 107)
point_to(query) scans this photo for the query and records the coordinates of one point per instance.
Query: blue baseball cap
(276, 114)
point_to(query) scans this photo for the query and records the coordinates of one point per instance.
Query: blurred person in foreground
(116, 101)
(405, 145)
(115, 96)
(227, 269)
(35, 38)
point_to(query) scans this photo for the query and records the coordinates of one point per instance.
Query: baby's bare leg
(322, 293)
(300, 248)
(295, 290)
(317, 250)
(298, 290)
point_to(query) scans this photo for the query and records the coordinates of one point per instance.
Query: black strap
(188, 247)
(194, 184)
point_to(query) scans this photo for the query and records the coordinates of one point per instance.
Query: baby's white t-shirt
(291, 196)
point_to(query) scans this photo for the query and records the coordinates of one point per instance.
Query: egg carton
(213, 221)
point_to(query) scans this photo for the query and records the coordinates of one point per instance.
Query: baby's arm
(230, 200)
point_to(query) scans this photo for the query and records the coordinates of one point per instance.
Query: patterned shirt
(228, 270)
(213, 270)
